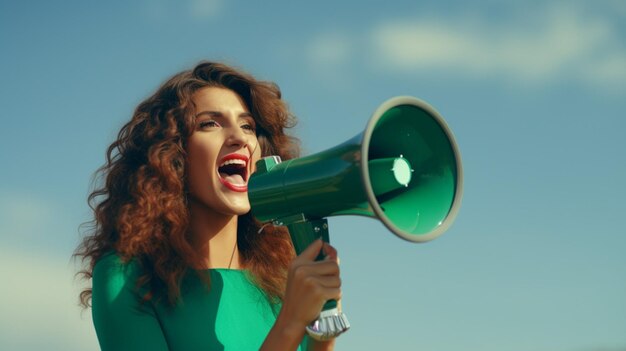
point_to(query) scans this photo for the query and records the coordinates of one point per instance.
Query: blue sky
(534, 91)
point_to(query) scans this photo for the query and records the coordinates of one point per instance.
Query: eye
(208, 124)
(248, 126)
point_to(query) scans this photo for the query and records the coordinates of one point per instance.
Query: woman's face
(221, 152)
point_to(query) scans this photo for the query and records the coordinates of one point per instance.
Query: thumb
(311, 252)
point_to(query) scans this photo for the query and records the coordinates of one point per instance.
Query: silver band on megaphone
(329, 325)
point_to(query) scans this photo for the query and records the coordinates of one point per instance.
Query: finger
(311, 252)
(330, 251)
(330, 281)
(319, 268)
(332, 294)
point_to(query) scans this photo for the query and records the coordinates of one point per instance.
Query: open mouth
(233, 172)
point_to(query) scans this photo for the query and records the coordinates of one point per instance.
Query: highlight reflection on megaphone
(404, 169)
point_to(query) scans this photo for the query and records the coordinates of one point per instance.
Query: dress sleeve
(121, 320)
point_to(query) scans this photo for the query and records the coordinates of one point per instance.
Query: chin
(222, 205)
(238, 208)
(242, 212)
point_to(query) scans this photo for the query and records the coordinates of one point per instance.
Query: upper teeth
(233, 162)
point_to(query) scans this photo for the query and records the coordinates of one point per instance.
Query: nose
(237, 137)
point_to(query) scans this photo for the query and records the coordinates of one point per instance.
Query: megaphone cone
(404, 169)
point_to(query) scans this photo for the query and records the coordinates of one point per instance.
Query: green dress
(233, 314)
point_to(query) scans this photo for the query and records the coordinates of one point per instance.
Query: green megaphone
(404, 169)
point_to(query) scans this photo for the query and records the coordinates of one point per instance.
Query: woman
(177, 261)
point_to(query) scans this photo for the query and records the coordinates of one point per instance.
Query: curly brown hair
(141, 210)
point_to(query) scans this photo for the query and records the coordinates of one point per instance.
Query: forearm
(310, 284)
(284, 336)
(315, 345)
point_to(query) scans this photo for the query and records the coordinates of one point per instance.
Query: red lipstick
(235, 168)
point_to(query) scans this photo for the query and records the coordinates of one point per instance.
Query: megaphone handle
(306, 232)
(331, 322)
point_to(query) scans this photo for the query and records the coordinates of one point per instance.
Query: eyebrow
(220, 114)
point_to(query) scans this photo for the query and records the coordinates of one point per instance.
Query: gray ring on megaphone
(371, 125)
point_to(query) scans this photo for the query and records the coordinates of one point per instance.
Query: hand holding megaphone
(311, 283)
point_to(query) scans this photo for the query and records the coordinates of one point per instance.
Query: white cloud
(204, 9)
(330, 50)
(24, 216)
(328, 56)
(161, 10)
(610, 69)
(38, 298)
(542, 46)
(538, 44)
(39, 308)
(32, 221)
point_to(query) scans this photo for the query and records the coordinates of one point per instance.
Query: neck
(214, 237)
